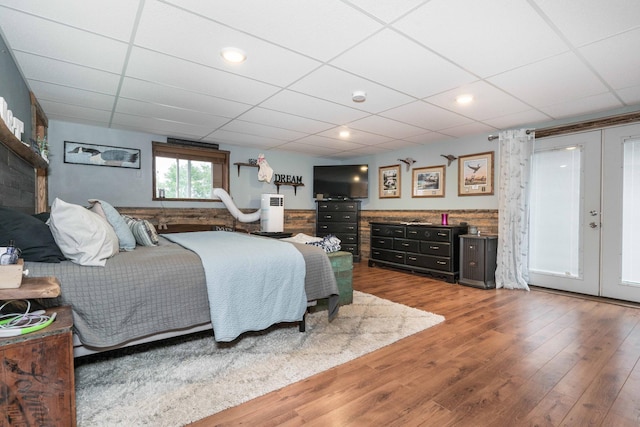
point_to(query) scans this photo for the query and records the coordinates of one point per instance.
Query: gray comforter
(152, 290)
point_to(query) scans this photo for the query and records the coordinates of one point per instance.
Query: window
(188, 173)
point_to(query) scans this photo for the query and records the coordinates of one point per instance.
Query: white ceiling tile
(393, 60)
(65, 74)
(355, 135)
(164, 112)
(550, 81)
(82, 98)
(201, 40)
(161, 126)
(613, 60)
(311, 150)
(586, 21)
(260, 130)
(308, 106)
(114, 18)
(333, 27)
(428, 137)
(244, 139)
(488, 101)
(386, 11)
(332, 143)
(62, 42)
(386, 127)
(152, 92)
(284, 120)
(338, 86)
(469, 129)
(71, 112)
(630, 95)
(398, 144)
(484, 37)
(426, 116)
(589, 104)
(516, 120)
(167, 70)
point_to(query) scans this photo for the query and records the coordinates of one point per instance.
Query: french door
(585, 200)
(565, 213)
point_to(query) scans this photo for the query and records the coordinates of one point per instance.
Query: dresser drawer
(337, 216)
(337, 206)
(427, 261)
(382, 242)
(435, 248)
(428, 233)
(386, 255)
(336, 227)
(387, 230)
(406, 245)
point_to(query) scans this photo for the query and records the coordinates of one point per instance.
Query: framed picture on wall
(475, 174)
(101, 155)
(389, 181)
(428, 181)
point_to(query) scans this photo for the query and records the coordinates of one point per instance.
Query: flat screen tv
(341, 181)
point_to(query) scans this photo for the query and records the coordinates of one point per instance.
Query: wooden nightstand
(36, 376)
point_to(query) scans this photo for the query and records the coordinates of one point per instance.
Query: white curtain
(516, 150)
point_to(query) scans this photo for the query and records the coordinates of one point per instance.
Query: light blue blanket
(252, 282)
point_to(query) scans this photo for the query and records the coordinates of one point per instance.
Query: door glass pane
(630, 209)
(555, 212)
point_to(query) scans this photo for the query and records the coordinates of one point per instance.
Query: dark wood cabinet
(429, 249)
(340, 218)
(37, 377)
(478, 260)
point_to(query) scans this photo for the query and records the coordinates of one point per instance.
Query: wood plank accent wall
(303, 220)
(18, 181)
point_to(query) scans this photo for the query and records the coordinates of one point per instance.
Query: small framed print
(389, 181)
(428, 181)
(475, 174)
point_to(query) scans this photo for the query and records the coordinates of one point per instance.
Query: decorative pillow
(83, 236)
(125, 236)
(31, 235)
(144, 232)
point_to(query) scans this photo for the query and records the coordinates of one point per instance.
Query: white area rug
(189, 380)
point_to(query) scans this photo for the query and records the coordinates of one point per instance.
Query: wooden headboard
(17, 182)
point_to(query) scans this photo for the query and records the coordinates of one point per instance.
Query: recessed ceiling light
(233, 55)
(464, 99)
(344, 134)
(359, 96)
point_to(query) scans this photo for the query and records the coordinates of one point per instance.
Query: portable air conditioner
(272, 213)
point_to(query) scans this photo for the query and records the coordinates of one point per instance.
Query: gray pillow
(126, 239)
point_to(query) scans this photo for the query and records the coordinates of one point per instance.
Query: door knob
(593, 225)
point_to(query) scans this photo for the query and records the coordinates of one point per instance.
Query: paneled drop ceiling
(155, 66)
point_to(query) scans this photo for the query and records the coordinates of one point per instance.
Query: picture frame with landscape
(428, 181)
(475, 174)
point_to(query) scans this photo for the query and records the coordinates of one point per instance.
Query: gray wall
(14, 90)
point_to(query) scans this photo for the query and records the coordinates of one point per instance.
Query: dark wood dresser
(340, 218)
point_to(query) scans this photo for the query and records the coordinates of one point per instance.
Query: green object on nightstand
(342, 265)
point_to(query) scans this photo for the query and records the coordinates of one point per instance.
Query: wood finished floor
(501, 358)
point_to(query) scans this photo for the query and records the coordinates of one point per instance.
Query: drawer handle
(324, 227)
(399, 256)
(397, 231)
(405, 244)
(412, 258)
(441, 262)
(472, 263)
(376, 253)
(443, 234)
(376, 229)
(434, 247)
(381, 242)
(324, 206)
(327, 216)
(471, 247)
(413, 232)
(350, 228)
(347, 217)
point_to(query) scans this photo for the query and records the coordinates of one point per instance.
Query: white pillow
(83, 236)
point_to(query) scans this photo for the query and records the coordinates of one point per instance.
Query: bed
(160, 291)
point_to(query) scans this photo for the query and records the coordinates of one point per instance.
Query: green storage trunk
(342, 265)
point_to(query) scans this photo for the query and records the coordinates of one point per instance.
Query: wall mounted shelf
(23, 151)
(292, 184)
(240, 164)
